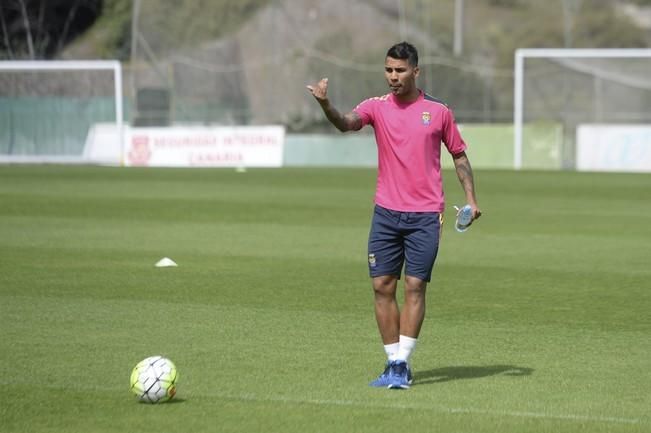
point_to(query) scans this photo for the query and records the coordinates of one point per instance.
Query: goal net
(48, 110)
(560, 93)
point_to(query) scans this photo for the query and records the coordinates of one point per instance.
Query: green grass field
(538, 317)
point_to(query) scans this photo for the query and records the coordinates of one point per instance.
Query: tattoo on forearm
(335, 117)
(346, 122)
(332, 114)
(464, 171)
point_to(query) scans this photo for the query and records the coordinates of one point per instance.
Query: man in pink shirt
(409, 128)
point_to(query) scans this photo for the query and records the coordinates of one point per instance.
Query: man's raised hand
(348, 122)
(320, 90)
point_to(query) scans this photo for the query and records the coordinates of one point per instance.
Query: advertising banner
(613, 148)
(224, 146)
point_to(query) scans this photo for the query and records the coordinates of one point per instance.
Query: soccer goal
(48, 110)
(564, 99)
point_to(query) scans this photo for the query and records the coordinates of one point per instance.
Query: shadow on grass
(165, 403)
(175, 401)
(446, 374)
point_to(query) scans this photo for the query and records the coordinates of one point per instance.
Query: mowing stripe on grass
(365, 405)
(437, 408)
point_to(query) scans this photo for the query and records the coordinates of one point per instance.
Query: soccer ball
(153, 379)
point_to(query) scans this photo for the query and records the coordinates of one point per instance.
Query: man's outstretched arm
(346, 122)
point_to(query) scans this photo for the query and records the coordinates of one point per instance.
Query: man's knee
(415, 286)
(385, 286)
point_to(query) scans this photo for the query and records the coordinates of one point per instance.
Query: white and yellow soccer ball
(153, 379)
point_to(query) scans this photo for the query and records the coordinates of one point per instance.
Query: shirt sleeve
(451, 135)
(366, 110)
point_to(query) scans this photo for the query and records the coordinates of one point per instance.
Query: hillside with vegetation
(245, 61)
(493, 26)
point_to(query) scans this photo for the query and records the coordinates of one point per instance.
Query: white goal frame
(70, 65)
(518, 91)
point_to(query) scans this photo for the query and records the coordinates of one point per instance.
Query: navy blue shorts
(409, 238)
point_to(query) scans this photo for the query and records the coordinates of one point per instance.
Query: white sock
(392, 350)
(407, 345)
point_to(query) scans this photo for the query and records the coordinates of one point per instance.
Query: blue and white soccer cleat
(383, 379)
(400, 376)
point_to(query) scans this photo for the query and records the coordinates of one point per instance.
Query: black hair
(404, 51)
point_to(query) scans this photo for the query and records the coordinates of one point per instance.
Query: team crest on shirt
(426, 118)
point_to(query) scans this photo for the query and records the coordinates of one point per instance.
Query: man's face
(400, 75)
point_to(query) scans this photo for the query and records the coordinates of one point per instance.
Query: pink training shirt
(409, 138)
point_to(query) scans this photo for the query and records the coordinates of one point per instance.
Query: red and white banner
(224, 146)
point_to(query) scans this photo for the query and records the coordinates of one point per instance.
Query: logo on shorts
(426, 118)
(371, 260)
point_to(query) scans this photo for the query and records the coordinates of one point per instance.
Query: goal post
(49, 108)
(565, 89)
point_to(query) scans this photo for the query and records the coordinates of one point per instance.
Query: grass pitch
(538, 317)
